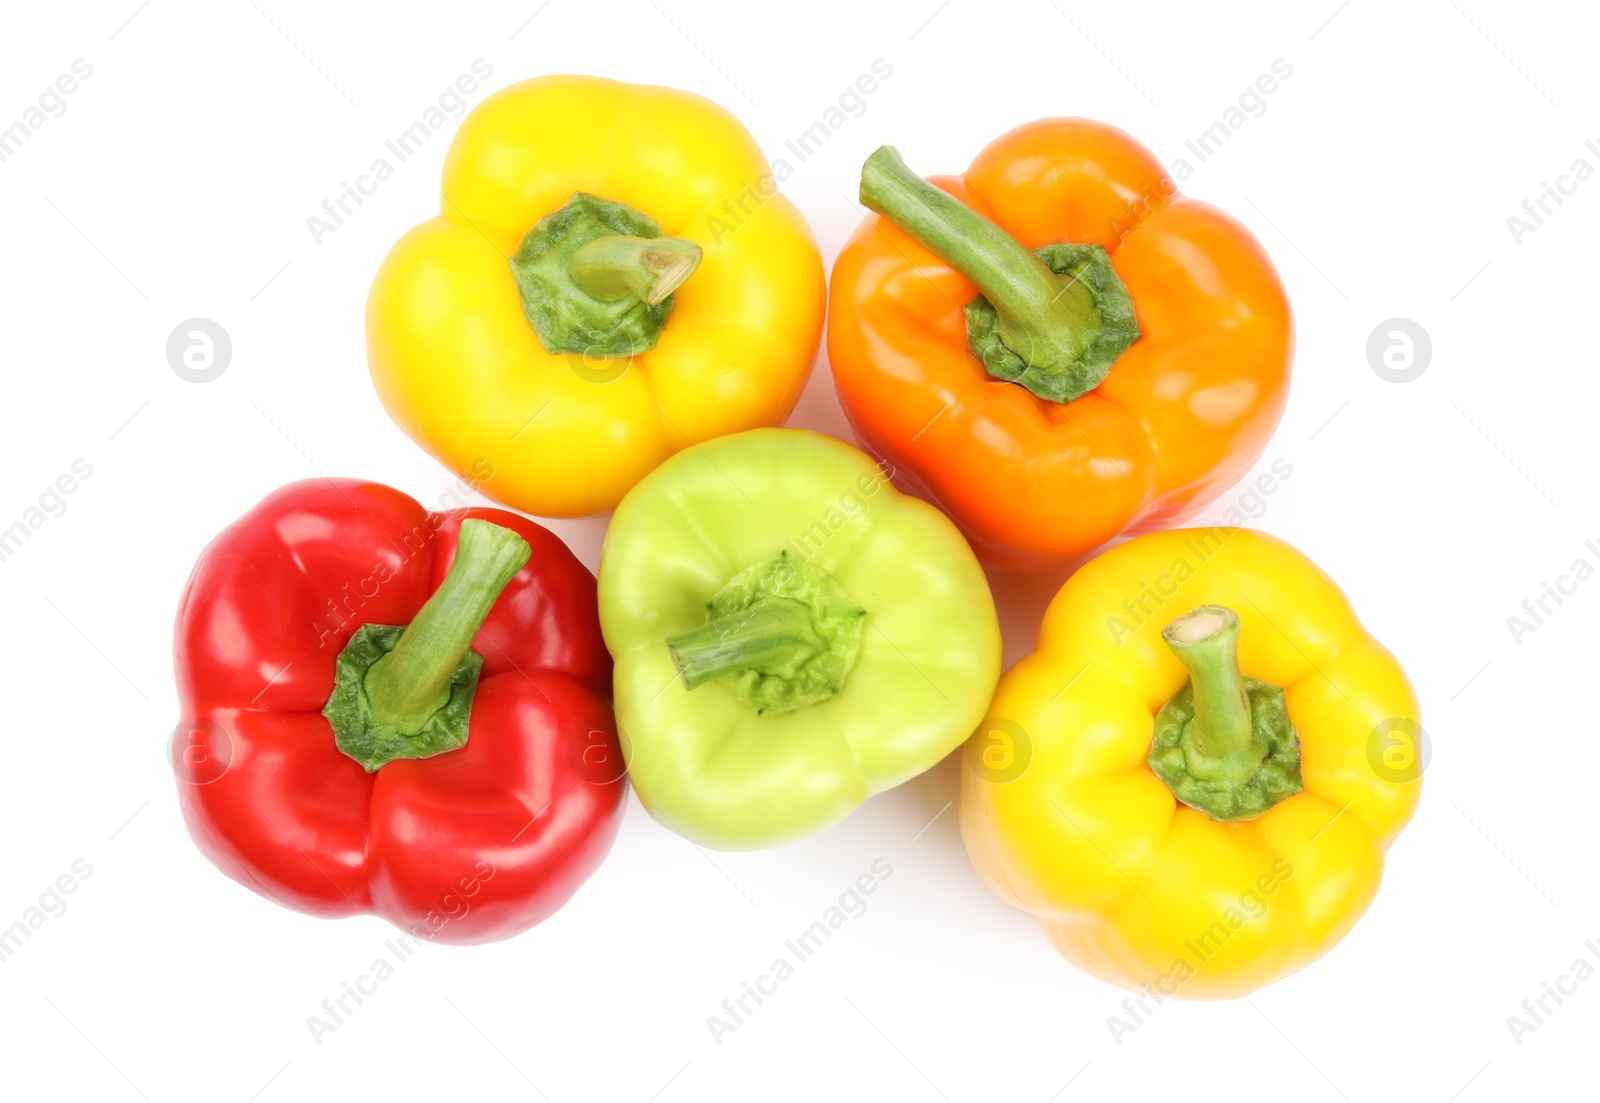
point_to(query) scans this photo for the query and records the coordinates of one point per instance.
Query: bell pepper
(791, 636)
(1194, 780)
(394, 711)
(612, 276)
(1057, 347)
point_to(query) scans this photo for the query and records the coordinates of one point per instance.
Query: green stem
(1054, 321)
(1206, 641)
(779, 635)
(411, 683)
(1224, 743)
(774, 633)
(1018, 283)
(596, 278)
(619, 266)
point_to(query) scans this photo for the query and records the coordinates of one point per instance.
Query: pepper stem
(779, 635)
(1054, 322)
(596, 278)
(615, 267)
(1224, 743)
(407, 686)
(1206, 641)
(773, 635)
(1018, 283)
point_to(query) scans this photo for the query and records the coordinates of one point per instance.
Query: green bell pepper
(791, 636)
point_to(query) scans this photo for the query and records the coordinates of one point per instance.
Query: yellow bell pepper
(1194, 779)
(613, 276)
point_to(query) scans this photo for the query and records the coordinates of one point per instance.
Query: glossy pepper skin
(704, 761)
(1064, 817)
(1182, 414)
(458, 364)
(472, 845)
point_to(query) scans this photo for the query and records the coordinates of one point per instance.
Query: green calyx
(1224, 743)
(596, 278)
(374, 743)
(406, 692)
(1054, 320)
(782, 634)
(1093, 293)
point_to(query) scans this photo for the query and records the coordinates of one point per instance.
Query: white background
(1379, 177)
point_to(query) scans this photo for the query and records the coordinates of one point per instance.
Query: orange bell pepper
(1116, 380)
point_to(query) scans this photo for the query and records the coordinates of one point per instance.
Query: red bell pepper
(393, 814)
